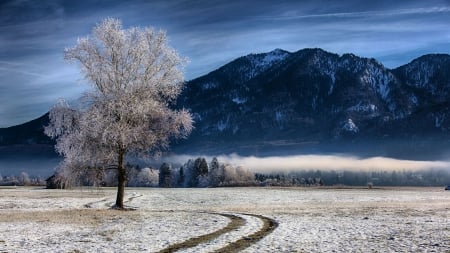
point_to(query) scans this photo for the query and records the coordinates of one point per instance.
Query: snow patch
(235, 129)
(273, 57)
(314, 103)
(378, 79)
(362, 107)
(261, 62)
(414, 99)
(438, 120)
(223, 124)
(279, 116)
(239, 100)
(421, 75)
(208, 86)
(350, 126)
(330, 90)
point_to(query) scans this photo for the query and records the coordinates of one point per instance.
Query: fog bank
(318, 162)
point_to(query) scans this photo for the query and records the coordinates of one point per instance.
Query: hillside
(312, 100)
(309, 101)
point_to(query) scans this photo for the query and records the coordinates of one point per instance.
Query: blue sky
(33, 35)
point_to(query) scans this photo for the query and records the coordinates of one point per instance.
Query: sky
(33, 35)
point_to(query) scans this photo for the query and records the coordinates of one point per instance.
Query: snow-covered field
(309, 220)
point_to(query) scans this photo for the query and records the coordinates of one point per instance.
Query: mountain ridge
(315, 96)
(287, 99)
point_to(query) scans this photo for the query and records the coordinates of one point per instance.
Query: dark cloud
(33, 35)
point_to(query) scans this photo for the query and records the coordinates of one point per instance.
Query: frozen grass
(309, 220)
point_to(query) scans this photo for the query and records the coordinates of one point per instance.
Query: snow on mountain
(261, 62)
(350, 126)
(378, 78)
(311, 96)
(430, 74)
(239, 100)
(208, 86)
(367, 108)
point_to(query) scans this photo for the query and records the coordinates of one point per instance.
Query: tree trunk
(121, 178)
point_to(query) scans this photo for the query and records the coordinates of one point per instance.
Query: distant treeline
(22, 180)
(199, 173)
(357, 178)
(194, 173)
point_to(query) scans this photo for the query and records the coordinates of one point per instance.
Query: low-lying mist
(295, 163)
(35, 167)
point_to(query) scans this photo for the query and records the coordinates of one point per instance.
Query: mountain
(31, 132)
(315, 100)
(310, 101)
(26, 146)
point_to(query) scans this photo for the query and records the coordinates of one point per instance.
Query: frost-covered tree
(237, 176)
(149, 177)
(145, 177)
(201, 166)
(24, 178)
(216, 173)
(135, 78)
(165, 175)
(181, 178)
(195, 171)
(201, 172)
(190, 178)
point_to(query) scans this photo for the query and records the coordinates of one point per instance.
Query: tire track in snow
(133, 196)
(91, 204)
(110, 204)
(241, 243)
(235, 223)
(269, 225)
(128, 200)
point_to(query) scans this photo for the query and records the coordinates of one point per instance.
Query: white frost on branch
(136, 78)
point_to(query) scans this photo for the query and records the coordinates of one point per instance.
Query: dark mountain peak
(314, 55)
(431, 73)
(349, 56)
(276, 51)
(427, 62)
(261, 62)
(354, 59)
(317, 58)
(435, 58)
(308, 95)
(313, 51)
(279, 51)
(38, 122)
(30, 132)
(240, 70)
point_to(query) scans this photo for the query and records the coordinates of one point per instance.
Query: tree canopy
(135, 77)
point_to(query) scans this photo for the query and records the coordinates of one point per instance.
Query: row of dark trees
(136, 177)
(357, 178)
(22, 180)
(199, 173)
(194, 173)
